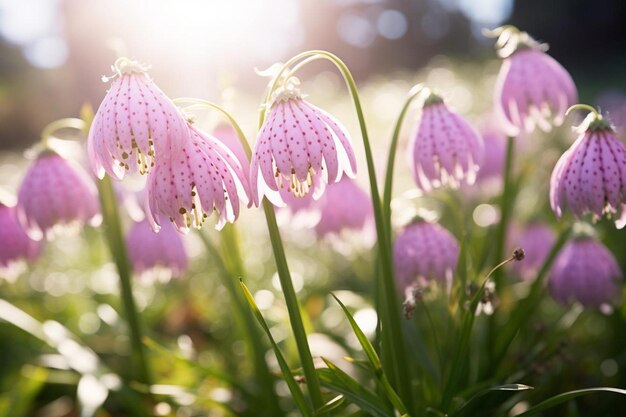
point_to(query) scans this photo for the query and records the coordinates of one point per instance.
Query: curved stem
(396, 367)
(391, 158)
(581, 106)
(66, 123)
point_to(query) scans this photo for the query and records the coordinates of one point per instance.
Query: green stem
(506, 204)
(396, 364)
(391, 158)
(293, 307)
(117, 246)
(230, 265)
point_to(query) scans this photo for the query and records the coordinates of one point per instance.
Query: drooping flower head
(297, 142)
(532, 89)
(135, 124)
(15, 244)
(160, 254)
(445, 150)
(54, 193)
(186, 186)
(537, 240)
(344, 206)
(228, 136)
(590, 177)
(587, 272)
(424, 251)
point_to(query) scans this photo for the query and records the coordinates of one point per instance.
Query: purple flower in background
(613, 103)
(532, 89)
(159, 253)
(492, 164)
(186, 186)
(445, 150)
(587, 272)
(344, 206)
(56, 192)
(135, 125)
(297, 142)
(424, 251)
(537, 241)
(15, 244)
(590, 177)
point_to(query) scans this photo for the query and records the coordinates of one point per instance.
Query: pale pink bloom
(537, 241)
(227, 135)
(532, 88)
(424, 251)
(344, 206)
(587, 272)
(186, 186)
(135, 125)
(297, 142)
(15, 244)
(56, 192)
(445, 150)
(160, 253)
(590, 177)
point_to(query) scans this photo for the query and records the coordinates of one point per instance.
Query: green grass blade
(298, 397)
(331, 405)
(566, 396)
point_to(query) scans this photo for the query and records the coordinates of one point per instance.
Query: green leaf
(566, 396)
(331, 405)
(374, 360)
(298, 397)
(337, 380)
(486, 391)
(18, 401)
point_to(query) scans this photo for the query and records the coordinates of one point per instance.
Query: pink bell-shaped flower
(297, 142)
(15, 244)
(590, 177)
(55, 193)
(532, 89)
(156, 254)
(587, 272)
(135, 125)
(344, 206)
(186, 186)
(445, 150)
(424, 251)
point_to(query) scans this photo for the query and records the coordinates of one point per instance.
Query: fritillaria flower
(424, 251)
(298, 142)
(186, 186)
(228, 136)
(532, 89)
(161, 254)
(537, 241)
(344, 206)
(445, 150)
(587, 272)
(54, 193)
(590, 177)
(135, 125)
(15, 244)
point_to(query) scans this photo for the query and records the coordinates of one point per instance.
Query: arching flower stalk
(590, 177)
(297, 142)
(135, 124)
(446, 149)
(532, 89)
